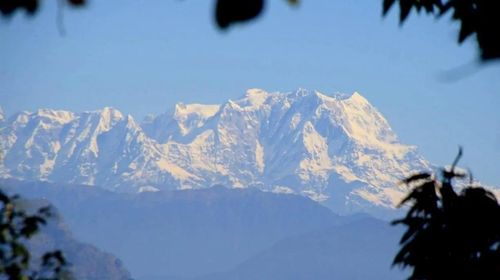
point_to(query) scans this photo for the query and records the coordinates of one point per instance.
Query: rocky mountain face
(338, 150)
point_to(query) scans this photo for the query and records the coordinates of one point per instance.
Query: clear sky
(144, 56)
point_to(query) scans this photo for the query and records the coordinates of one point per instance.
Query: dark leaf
(4, 198)
(466, 30)
(228, 12)
(20, 251)
(31, 225)
(45, 211)
(405, 8)
(428, 6)
(386, 6)
(77, 2)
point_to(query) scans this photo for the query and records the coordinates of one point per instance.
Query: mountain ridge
(181, 233)
(338, 150)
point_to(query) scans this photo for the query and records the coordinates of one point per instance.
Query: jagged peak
(107, 113)
(203, 110)
(256, 91)
(20, 117)
(60, 116)
(230, 105)
(131, 123)
(252, 99)
(337, 96)
(329, 98)
(180, 106)
(104, 118)
(316, 94)
(130, 119)
(303, 91)
(358, 98)
(111, 113)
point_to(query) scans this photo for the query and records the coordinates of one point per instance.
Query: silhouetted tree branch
(16, 227)
(479, 18)
(449, 235)
(9, 7)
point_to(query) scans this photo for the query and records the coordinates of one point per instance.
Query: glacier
(335, 149)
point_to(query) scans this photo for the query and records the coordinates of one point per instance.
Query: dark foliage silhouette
(230, 11)
(449, 235)
(477, 17)
(16, 227)
(9, 7)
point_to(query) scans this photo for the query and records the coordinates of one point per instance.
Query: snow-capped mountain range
(338, 150)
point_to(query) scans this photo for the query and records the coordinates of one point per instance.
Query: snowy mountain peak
(59, 116)
(358, 98)
(202, 110)
(111, 113)
(108, 115)
(337, 149)
(192, 116)
(304, 92)
(256, 92)
(253, 98)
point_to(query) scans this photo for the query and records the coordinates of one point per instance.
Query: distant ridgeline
(216, 233)
(338, 150)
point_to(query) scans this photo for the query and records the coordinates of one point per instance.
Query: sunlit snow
(325, 147)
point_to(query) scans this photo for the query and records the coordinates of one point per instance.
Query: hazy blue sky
(144, 56)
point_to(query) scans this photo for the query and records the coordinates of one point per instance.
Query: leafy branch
(449, 235)
(16, 228)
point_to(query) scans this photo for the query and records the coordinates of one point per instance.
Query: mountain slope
(363, 249)
(181, 233)
(338, 150)
(85, 261)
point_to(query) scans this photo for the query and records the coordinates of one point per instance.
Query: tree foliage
(449, 235)
(17, 226)
(9, 7)
(480, 18)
